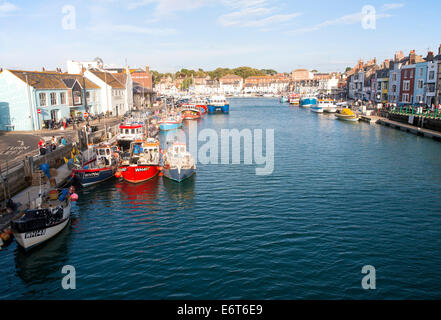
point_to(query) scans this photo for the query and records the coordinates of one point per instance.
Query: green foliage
(216, 74)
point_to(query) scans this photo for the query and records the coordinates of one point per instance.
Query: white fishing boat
(179, 164)
(46, 217)
(329, 106)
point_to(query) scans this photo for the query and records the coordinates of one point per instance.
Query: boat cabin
(144, 152)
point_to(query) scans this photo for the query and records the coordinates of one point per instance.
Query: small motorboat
(172, 122)
(283, 99)
(178, 163)
(101, 168)
(143, 161)
(347, 115)
(45, 218)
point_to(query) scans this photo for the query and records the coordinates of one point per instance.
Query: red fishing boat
(190, 112)
(142, 162)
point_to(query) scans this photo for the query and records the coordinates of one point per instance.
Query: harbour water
(342, 196)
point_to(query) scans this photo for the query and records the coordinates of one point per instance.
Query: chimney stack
(430, 56)
(412, 57)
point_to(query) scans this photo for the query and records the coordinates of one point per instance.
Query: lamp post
(31, 111)
(85, 100)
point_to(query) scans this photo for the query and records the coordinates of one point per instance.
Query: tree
(348, 69)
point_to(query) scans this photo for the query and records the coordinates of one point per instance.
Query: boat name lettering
(141, 169)
(35, 233)
(92, 174)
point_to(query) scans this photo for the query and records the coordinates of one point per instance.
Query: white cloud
(126, 28)
(253, 13)
(167, 7)
(7, 7)
(392, 6)
(349, 19)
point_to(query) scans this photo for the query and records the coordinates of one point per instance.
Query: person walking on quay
(64, 123)
(41, 146)
(63, 141)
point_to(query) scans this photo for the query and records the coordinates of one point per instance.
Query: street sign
(39, 111)
(85, 114)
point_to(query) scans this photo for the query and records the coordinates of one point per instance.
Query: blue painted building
(420, 88)
(29, 98)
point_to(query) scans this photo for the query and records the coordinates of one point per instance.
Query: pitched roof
(52, 80)
(115, 80)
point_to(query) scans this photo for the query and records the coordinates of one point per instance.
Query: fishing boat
(294, 99)
(347, 115)
(172, 122)
(329, 106)
(190, 112)
(218, 103)
(99, 169)
(308, 102)
(47, 216)
(178, 163)
(128, 132)
(143, 161)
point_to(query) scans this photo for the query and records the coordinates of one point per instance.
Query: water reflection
(142, 193)
(40, 263)
(181, 193)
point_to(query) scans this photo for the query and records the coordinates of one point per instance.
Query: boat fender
(74, 197)
(5, 237)
(118, 174)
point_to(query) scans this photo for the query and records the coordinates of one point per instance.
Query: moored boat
(44, 220)
(143, 162)
(178, 163)
(308, 101)
(218, 103)
(172, 122)
(347, 115)
(128, 132)
(294, 99)
(190, 112)
(101, 168)
(283, 99)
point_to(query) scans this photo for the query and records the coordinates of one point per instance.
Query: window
(406, 85)
(421, 72)
(394, 88)
(431, 75)
(53, 98)
(63, 98)
(406, 97)
(420, 84)
(411, 73)
(406, 74)
(394, 77)
(43, 101)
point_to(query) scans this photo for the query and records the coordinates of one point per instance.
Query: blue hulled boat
(100, 168)
(218, 104)
(178, 163)
(170, 123)
(308, 102)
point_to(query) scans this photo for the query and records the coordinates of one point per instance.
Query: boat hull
(214, 108)
(167, 126)
(330, 110)
(308, 102)
(93, 176)
(138, 174)
(317, 109)
(30, 239)
(178, 175)
(346, 118)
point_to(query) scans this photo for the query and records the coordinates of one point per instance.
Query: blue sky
(171, 34)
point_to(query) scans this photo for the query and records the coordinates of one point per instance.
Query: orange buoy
(5, 236)
(118, 174)
(161, 174)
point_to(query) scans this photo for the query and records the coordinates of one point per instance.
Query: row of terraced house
(403, 80)
(270, 84)
(29, 99)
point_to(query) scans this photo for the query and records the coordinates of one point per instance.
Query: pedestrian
(63, 141)
(41, 147)
(64, 123)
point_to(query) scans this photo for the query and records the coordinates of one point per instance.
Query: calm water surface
(341, 196)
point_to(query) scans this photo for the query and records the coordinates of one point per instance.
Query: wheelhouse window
(42, 97)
